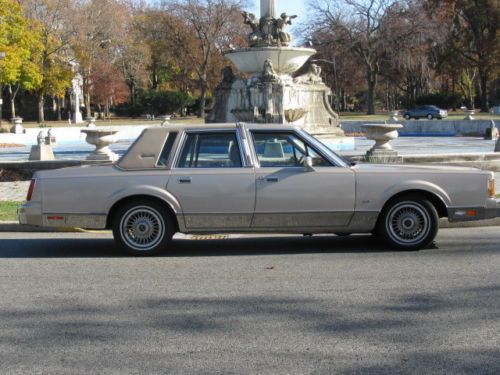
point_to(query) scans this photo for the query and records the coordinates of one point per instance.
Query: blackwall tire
(430, 117)
(407, 117)
(409, 223)
(142, 228)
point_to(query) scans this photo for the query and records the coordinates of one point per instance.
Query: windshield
(337, 159)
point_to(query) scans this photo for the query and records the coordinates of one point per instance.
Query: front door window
(283, 150)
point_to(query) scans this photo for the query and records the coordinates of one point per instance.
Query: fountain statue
(266, 88)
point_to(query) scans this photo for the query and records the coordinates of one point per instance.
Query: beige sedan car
(239, 178)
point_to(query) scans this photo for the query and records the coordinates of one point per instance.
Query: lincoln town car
(241, 178)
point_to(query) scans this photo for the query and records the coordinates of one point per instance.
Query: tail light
(492, 190)
(31, 190)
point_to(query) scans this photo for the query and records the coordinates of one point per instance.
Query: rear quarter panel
(95, 190)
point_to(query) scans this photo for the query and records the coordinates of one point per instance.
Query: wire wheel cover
(142, 228)
(408, 223)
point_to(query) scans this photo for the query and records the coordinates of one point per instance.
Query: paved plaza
(14, 191)
(71, 303)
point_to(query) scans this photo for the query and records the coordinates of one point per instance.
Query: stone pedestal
(17, 125)
(277, 99)
(42, 150)
(101, 139)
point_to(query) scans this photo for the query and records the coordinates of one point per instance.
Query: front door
(210, 181)
(289, 196)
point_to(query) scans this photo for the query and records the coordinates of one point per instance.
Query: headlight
(492, 189)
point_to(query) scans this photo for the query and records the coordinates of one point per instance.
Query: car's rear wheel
(430, 116)
(409, 223)
(407, 117)
(142, 228)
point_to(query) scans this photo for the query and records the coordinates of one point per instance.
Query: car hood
(415, 168)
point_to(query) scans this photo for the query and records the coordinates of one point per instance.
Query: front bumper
(490, 211)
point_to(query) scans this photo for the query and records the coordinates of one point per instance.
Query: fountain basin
(285, 60)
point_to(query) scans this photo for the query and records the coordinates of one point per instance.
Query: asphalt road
(70, 303)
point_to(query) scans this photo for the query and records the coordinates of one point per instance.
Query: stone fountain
(267, 88)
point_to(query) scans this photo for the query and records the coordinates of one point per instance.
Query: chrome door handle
(184, 180)
(272, 179)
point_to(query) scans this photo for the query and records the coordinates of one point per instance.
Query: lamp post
(2, 56)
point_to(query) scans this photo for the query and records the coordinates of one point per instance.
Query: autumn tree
(473, 35)
(356, 24)
(53, 17)
(213, 24)
(95, 38)
(20, 42)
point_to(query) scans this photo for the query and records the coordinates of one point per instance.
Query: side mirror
(308, 164)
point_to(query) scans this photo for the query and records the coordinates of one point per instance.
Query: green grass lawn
(116, 122)
(8, 211)
(346, 116)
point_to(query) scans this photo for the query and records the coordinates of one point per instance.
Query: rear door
(212, 181)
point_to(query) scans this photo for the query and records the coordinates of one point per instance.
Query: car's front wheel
(409, 223)
(142, 228)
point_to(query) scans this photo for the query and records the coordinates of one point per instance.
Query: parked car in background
(429, 112)
(237, 178)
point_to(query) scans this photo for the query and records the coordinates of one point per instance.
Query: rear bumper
(490, 211)
(30, 213)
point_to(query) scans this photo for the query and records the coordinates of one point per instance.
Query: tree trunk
(203, 101)
(371, 79)
(59, 105)
(483, 82)
(88, 110)
(12, 102)
(41, 110)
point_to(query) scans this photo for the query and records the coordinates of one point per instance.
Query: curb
(15, 227)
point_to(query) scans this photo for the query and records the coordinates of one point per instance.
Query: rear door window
(210, 150)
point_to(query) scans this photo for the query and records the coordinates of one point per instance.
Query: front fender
(413, 185)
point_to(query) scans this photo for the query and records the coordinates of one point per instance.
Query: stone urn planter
(101, 139)
(91, 122)
(393, 116)
(165, 120)
(469, 114)
(382, 134)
